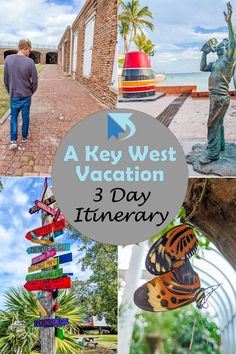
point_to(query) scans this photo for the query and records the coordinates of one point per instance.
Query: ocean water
(199, 78)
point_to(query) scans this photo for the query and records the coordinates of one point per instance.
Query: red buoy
(138, 78)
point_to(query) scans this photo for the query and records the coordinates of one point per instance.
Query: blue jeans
(19, 104)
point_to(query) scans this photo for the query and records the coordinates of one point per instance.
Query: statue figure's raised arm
(232, 35)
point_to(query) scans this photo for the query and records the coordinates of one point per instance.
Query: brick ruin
(87, 50)
(40, 56)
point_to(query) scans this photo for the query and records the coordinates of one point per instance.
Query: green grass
(4, 101)
(105, 341)
(4, 97)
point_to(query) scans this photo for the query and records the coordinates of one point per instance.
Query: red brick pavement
(57, 106)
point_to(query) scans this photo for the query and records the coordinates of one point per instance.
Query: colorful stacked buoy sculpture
(138, 78)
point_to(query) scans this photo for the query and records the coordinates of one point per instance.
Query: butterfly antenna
(213, 288)
(194, 324)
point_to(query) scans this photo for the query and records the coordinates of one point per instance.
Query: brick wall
(64, 46)
(99, 82)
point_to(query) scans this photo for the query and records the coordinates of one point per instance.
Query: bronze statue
(222, 71)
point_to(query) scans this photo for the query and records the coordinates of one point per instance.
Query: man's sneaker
(24, 140)
(13, 145)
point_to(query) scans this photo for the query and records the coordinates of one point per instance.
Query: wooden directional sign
(47, 274)
(43, 257)
(59, 333)
(51, 262)
(48, 209)
(61, 247)
(42, 310)
(47, 229)
(65, 258)
(47, 201)
(45, 242)
(51, 322)
(48, 284)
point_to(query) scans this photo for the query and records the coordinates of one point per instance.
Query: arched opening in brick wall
(36, 56)
(51, 58)
(9, 52)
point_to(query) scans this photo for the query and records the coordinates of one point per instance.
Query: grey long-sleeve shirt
(20, 76)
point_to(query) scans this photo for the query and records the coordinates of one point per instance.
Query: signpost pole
(48, 333)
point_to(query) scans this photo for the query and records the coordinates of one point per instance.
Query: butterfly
(172, 290)
(171, 250)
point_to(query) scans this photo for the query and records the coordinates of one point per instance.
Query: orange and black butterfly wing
(157, 260)
(169, 291)
(181, 242)
(171, 250)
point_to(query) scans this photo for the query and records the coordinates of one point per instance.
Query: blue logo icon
(119, 123)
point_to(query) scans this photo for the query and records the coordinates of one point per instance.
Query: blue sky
(181, 28)
(16, 198)
(41, 21)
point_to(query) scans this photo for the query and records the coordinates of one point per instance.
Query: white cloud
(41, 21)
(175, 28)
(20, 197)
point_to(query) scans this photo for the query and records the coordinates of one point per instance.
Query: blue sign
(65, 258)
(51, 322)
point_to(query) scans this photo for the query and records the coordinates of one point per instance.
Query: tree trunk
(216, 214)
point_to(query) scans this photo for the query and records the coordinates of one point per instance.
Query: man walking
(21, 81)
(222, 71)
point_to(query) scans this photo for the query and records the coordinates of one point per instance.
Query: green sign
(60, 247)
(59, 332)
(46, 274)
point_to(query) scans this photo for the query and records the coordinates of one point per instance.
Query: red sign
(44, 256)
(48, 284)
(47, 229)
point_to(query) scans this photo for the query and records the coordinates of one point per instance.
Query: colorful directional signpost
(47, 276)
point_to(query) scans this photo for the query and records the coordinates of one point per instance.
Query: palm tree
(144, 44)
(135, 18)
(17, 332)
(124, 28)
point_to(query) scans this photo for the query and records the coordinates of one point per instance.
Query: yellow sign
(45, 242)
(42, 310)
(51, 262)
